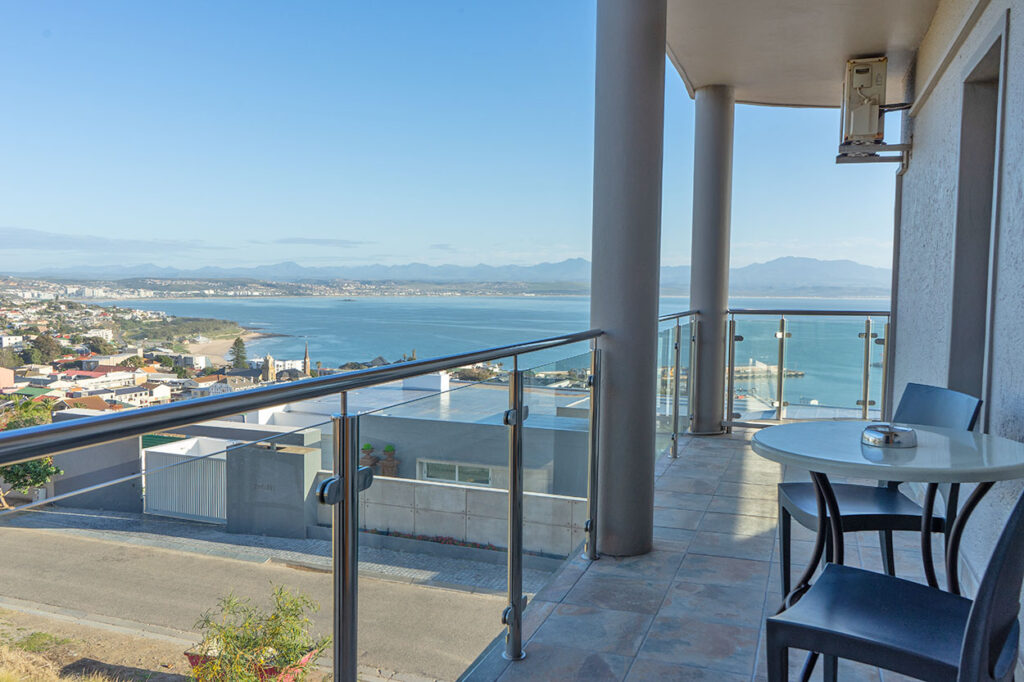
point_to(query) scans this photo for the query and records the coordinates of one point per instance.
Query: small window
(436, 471)
(474, 475)
(456, 473)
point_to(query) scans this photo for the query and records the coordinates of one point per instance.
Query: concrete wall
(555, 459)
(929, 214)
(554, 523)
(98, 464)
(270, 490)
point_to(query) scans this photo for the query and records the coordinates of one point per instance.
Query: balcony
(436, 545)
(694, 607)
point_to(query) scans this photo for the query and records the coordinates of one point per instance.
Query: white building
(101, 333)
(11, 340)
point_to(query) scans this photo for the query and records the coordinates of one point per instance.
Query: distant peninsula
(782, 277)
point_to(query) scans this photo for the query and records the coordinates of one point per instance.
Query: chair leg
(888, 558)
(829, 557)
(777, 659)
(785, 525)
(831, 668)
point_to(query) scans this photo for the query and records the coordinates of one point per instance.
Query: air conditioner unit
(863, 101)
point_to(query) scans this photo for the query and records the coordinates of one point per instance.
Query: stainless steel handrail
(820, 313)
(675, 316)
(39, 441)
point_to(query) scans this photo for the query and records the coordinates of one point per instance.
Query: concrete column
(628, 137)
(709, 253)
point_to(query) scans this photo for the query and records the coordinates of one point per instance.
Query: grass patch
(39, 642)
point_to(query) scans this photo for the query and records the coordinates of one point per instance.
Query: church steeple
(306, 368)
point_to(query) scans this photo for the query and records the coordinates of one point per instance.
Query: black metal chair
(906, 627)
(880, 508)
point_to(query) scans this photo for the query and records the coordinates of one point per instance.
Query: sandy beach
(217, 349)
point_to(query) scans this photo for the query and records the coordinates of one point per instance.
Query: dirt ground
(79, 649)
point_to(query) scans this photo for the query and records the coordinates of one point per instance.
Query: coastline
(216, 350)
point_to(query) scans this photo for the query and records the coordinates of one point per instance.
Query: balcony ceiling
(792, 52)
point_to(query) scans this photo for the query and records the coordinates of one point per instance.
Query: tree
(238, 355)
(38, 472)
(134, 361)
(30, 356)
(47, 346)
(9, 359)
(99, 346)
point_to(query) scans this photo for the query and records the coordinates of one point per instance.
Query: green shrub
(240, 639)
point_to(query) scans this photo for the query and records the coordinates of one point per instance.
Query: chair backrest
(935, 406)
(990, 641)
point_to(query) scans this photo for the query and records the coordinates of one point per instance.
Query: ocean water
(338, 330)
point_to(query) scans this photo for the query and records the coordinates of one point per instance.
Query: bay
(339, 330)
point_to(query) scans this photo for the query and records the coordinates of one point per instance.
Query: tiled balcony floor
(694, 608)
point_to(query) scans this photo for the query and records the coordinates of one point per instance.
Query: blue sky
(327, 132)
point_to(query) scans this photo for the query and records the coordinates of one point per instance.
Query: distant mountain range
(790, 275)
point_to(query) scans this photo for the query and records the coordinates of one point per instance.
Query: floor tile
(656, 565)
(743, 505)
(712, 570)
(621, 594)
(685, 484)
(677, 500)
(737, 523)
(748, 490)
(719, 603)
(593, 629)
(738, 546)
(672, 539)
(718, 646)
(545, 662)
(686, 519)
(647, 669)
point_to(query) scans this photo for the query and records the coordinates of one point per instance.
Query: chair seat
(878, 620)
(863, 507)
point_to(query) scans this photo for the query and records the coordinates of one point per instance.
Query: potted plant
(389, 467)
(368, 459)
(244, 643)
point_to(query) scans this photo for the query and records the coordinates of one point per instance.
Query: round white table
(941, 456)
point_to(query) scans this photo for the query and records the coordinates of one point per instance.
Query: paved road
(214, 540)
(409, 629)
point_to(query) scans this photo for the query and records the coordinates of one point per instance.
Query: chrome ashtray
(889, 436)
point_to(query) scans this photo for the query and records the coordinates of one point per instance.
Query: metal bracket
(508, 616)
(590, 380)
(586, 526)
(861, 402)
(737, 338)
(778, 335)
(873, 335)
(878, 341)
(512, 417)
(331, 492)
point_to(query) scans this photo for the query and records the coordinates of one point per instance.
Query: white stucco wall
(927, 236)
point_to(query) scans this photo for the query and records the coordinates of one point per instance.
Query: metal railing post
(782, 334)
(590, 549)
(692, 372)
(730, 378)
(677, 349)
(345, 539)
(884, 411)
(512, 617)
(864, 401)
